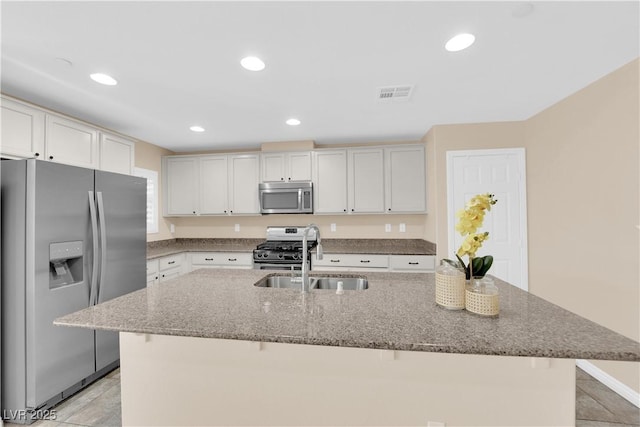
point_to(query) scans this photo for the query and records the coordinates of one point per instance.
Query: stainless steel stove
(283, 249)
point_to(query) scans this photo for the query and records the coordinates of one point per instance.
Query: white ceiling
(177, 64)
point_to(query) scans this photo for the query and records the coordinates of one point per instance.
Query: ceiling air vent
(394, 93)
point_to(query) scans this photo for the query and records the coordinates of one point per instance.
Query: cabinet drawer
(221, 259)
(412, 262)
(169, 274)
(171, 262)
(352, 260)
(152, 267)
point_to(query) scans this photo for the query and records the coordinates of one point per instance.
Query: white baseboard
(620, 388)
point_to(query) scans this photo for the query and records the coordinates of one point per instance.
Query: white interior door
(500, 172)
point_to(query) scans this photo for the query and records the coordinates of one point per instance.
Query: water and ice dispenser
(65, 263)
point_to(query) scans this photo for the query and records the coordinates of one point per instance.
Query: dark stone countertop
(397, 312)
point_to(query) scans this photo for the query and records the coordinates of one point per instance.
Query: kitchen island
(211, 348)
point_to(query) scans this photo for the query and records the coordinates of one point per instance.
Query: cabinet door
(116, 154)
(181, 186)
(213, 185)
(299, 166)
(405, 179)
(71, 142)
(244, 176)
(366, 181)
(273, 167)
(22, 130)
(330, 181)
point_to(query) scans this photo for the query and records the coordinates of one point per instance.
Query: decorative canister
(482, 297)
(450, 287)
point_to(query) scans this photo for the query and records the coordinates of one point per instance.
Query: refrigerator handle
(103, 243)
(94, 231)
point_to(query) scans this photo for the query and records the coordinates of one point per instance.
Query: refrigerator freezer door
(57, 211)
(122, 215)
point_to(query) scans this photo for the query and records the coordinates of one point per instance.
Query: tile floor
(99, 405)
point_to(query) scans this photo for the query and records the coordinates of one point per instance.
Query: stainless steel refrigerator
(71, 238)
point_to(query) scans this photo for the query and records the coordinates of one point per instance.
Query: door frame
(520, 154)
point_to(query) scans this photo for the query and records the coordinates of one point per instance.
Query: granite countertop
(174, 246)
(335, 246)
(397, 312)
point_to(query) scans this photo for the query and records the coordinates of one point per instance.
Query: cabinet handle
(344, 210)
(171, 262)
(208, 259)
(50, 157)
(164, 275)
(289, 178)
(365, 261)
(156, 277)
(37, 154)
(352, 209)
(389, 209)
(225, 211)
(335, 260)
(233, 259)
(282, 179)
(194, 212)
(414, 263)
(230, 211)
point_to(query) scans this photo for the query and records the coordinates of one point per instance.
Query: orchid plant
(469, 221)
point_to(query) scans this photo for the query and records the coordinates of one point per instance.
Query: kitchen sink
(351, 283)
(348, 283)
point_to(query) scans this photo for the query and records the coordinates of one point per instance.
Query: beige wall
(347, 226)
(149, 156)
(583, 201)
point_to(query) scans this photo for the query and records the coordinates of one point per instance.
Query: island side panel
(171, 380)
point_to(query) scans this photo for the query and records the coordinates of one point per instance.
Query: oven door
(286, 267)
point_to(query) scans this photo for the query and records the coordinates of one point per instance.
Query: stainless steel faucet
(305, 265)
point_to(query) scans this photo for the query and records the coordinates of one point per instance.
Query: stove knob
(280, 256)
(296, 256)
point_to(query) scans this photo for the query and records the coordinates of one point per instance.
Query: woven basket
(450, 291)
(482, 304)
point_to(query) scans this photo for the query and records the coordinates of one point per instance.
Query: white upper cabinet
(244, 177)
(181, 184)
(29, 131)
(292, 166)
(366, 180)
(214, 185)
(116, 154)
(22, 130)
(211, 184)
(329, 181)
(405, 179)
(71, 142)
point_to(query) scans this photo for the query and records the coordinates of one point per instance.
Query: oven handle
(299, 198)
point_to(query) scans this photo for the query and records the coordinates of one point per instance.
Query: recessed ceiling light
(459, 42)
(293, 122)
(104, 79)
(252, 63)
(197, 128)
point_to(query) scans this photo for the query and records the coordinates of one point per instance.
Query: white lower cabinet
(349, 262)
(153, 273)
(412, 263)
(171, 266)
(243, 260)
(374, 262)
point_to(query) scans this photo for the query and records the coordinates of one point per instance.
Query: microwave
(286, 197)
